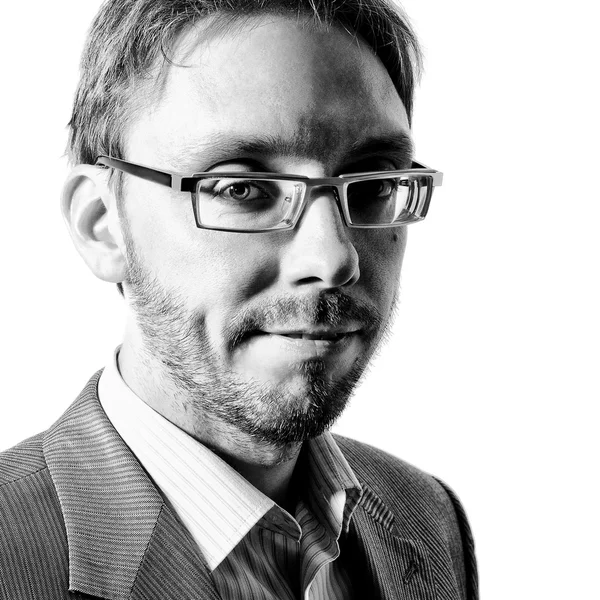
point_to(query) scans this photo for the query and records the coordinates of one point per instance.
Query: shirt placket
(318, 548)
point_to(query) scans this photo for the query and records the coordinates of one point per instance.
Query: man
(198, 463)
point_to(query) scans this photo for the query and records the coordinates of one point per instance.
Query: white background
(491, 380)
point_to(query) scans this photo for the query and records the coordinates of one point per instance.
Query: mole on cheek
(394, 237)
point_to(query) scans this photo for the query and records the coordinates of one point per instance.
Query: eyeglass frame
(188, 183)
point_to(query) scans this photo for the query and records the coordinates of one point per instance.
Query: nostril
(325, 265)
(309, 280)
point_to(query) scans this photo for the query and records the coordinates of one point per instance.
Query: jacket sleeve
(464, 551)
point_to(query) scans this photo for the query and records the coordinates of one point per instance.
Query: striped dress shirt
(252, 547)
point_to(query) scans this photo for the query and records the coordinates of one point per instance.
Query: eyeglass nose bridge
(337, 190)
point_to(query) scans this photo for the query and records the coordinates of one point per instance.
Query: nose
(320, 252)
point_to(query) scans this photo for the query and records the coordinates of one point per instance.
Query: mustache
(334, 309)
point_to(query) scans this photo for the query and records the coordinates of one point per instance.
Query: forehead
(313, 93)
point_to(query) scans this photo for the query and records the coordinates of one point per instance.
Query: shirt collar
(333, 489)
(216, 504)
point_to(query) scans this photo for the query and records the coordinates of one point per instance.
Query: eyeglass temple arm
(437, 176)
(172, 180)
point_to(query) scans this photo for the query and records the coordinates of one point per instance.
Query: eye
(383, 188)
(241, 191)
(372, 189)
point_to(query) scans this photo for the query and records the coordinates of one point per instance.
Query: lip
(314, 335)
(272, 358)
(284, 344)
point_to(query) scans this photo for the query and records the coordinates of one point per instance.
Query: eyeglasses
(257, 202)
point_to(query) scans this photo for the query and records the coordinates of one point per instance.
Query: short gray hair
(128, 37)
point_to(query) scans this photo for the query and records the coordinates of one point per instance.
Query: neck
(267, 467)
(275, 480)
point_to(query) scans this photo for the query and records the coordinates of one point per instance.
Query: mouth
(321, 336)
(277, 349)
(309, 338)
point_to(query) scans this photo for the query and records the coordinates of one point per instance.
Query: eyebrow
(223, 147)
(398, 145)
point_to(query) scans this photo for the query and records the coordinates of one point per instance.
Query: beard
(268, 413)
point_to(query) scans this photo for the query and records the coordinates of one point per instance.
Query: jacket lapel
(404, 529)
(124, 541)
(397, 568)
(172, 567)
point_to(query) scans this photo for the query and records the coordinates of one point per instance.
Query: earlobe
(90, 211)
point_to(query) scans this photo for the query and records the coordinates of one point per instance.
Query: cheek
(161, 224)
(217, 273)
(189, 262)
(397, 241)
(381, 254)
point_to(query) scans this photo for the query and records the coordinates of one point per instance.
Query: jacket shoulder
(391, 477)
(22, 460)
(33, 545)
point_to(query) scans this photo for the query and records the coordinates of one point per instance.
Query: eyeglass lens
(248, 203)
(388, 201)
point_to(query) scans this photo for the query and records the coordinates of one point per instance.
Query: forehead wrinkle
(324, 147)
(223, 147)
(313, 138)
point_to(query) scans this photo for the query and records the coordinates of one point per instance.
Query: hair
(129, 39)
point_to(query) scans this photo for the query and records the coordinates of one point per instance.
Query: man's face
(268, 332)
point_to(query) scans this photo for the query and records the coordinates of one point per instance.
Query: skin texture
(196, 297)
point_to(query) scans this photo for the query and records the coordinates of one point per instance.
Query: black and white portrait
(300, 300)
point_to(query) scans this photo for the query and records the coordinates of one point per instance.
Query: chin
(307, 382)
(301, 409)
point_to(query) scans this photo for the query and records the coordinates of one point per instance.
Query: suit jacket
(80, 518)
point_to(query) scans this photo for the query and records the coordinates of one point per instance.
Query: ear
(90, 212)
